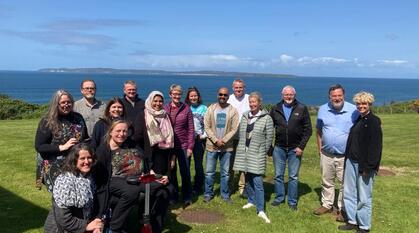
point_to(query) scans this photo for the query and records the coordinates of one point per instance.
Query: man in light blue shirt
(334, 121)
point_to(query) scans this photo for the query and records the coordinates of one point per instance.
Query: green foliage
(11, 109)
(398, 107)
(23, 208)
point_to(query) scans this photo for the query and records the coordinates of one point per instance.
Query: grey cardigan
(254, 159)
(64, 220)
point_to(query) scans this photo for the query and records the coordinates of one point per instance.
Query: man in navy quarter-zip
(292, 132)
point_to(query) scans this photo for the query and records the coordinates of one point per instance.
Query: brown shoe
(322, 210)
(340, 216)
(348, 227)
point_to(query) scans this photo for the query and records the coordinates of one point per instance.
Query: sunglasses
(89, 88)
(221, 94)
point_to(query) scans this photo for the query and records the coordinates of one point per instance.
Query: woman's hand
(96, 225)
(97, 230)
(163, 180)
(172, 162)
(68, 144)
(189, 153)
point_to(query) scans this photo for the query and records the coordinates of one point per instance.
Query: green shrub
(11, 109)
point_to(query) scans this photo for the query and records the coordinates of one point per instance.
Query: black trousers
(126, 196)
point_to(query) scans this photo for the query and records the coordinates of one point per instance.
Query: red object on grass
(146, 228)
(147, 179)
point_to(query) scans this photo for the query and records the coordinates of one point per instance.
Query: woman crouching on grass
(73, 195)
(362, 161)
(118, 158)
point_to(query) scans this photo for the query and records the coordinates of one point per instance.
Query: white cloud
(231, 61)
(393, 62)
(284, 58)
(321, 60)
(191, 60)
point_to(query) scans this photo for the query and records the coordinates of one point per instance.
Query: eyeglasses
(221, 94)
(65, 103)
(89, 88)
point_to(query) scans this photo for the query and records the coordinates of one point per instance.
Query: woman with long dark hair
(59, 130)
(114, 110)
(194, 100)
(73, 195)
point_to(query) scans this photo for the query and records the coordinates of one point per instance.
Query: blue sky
(314, 38)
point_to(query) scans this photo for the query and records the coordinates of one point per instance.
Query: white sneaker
(263, 216)
(248, 205)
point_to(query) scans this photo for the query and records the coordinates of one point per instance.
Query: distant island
(162, 72)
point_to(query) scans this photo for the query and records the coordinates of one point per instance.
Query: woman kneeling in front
(72, 202)
(118, 158)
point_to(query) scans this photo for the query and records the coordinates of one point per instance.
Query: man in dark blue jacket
(292, 132)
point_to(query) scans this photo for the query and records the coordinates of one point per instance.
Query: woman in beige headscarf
(160, 133)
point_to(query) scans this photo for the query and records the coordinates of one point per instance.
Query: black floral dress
(47, 145)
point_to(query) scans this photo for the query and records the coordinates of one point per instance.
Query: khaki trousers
(242, 180)
(332, 169)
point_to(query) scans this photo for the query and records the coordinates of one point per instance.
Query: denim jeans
(198, 156)
(185, 173)
(255, 192)
(358, 195)
(280, 158)
(210, 173)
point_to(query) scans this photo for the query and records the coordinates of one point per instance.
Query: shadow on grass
(19, 215)
(303, 189)
(171, 223)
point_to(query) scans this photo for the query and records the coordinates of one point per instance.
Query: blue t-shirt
(335, 126)
(220, 121)
(198, 119)
(287, 111)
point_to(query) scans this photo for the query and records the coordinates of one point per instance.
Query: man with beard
(89, 107)
(221, 123)
(334, 121)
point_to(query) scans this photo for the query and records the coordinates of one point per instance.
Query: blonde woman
(362, 161)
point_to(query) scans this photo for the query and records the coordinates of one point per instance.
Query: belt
(332, 154)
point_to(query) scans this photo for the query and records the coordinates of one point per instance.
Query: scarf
(159, 127)
(74, 191)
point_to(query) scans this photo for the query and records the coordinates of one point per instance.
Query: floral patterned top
(126, 162)
(47, 145)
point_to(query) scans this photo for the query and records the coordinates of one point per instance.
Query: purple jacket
(183, 126)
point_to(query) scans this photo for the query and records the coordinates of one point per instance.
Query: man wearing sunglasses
(221, 122)
(88, 106)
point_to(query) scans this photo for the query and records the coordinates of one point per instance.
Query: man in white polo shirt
(240, 101)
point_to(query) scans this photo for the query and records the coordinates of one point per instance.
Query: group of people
(90, 150)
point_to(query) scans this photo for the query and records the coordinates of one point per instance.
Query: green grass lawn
(23, 208)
